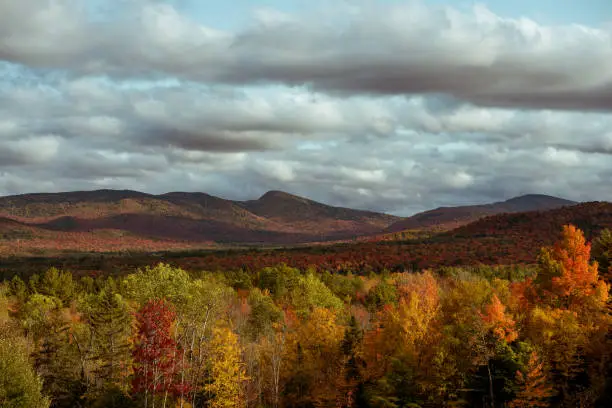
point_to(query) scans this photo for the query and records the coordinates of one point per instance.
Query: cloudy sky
(396, 106)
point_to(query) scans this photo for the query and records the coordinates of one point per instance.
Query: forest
(537, 335)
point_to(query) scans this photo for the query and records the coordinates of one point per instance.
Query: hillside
(503, 239)
(446, 218)
(543, 226)
(313, 217)
(194, 218)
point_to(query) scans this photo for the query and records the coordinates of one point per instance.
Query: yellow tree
(418, 307)
(316, 357)
(227, 370)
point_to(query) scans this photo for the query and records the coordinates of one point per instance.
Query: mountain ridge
(447, 218)
(274, 217)
(197, 218)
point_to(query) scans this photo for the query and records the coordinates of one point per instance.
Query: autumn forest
(283, 336)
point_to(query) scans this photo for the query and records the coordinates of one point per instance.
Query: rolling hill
(110, 220)
(447, 218)
(275, 217)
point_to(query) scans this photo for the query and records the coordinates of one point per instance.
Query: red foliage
(156, 354)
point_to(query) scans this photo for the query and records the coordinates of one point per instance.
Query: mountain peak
(531, 202)
(452, 217)
(277, 194)
(536, 196)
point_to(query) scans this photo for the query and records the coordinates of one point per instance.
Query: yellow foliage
(227, 370)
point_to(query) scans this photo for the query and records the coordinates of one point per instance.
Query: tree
(160, 282)
(205, 303)
(20, 387)
(227, 370)
(567, 276)
(353, 363)
(110, 324)
(310, 293)
(273, 354)
(58, 284)
(382, 294)
(602, 252)
(316, 358)
(534, 387)
(156, 357)
(264, 313)
(496, 320)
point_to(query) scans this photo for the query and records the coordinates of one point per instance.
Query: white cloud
(349, 106)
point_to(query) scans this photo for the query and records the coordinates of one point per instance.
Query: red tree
(156, 354)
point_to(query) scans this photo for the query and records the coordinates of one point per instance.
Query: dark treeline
(482, 336)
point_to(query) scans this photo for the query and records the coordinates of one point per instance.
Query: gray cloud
(358, 111)
(474, 55)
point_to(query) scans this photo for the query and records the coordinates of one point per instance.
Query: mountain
(446, 218)
(539, 227)
(313, 217)
(275, 217)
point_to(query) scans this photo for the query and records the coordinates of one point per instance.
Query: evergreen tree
(109, 321)
(20, 387)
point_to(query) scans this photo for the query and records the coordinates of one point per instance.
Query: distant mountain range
(276, 217)
(133, 219)
(446, 218)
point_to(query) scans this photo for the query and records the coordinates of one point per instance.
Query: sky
(389, 105)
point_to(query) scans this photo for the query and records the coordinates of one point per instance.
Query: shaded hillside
(540, 226)
(506, 239)
(276, 217)
(446, 218)
(311, 216)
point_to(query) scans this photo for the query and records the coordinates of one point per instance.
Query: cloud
(352, 108)
(473, 55)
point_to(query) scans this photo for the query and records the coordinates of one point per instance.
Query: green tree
(20, 387)
(601, 251)
(264, 313)
(160, 282)
(382, 294)
(58, 284)
(110, 324)
(311, 293)
(278, 280)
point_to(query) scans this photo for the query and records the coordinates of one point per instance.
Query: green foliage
(279, 280)
(601, 251)
(511, 273)
(110, 322)
(58, 284)
(20, 387)
(343, 286)
(310, 293)
(39, 313)
(238, 279)
(397, 388)
(382, 294)
(264, 313)
(59, 360)
(18, 288)
(160, 282)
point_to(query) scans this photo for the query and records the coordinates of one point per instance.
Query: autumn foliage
(156, 355)
(281, 336)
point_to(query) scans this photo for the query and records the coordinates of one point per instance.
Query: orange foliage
(578, 275)
(535, 387)
(495, 318)
(568, 272)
